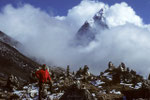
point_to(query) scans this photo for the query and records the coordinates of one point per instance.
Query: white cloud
(127, 43)
(49, 37)
(120, 14)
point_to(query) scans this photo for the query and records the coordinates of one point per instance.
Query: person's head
(44, 67)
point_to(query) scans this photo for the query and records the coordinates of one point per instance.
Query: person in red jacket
(44, 77)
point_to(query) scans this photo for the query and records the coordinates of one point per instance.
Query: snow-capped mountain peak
(99, 15)
(90, 28)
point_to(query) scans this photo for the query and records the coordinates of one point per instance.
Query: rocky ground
(115, 83)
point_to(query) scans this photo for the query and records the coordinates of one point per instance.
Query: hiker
(44, 77)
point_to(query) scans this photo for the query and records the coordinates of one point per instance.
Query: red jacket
(43, 75)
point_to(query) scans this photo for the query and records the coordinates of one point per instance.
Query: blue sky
(60, 7)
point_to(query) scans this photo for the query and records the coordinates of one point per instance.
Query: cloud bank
(48, 37)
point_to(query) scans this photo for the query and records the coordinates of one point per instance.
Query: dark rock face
(85, 34)
(13, 62)
(75, 93)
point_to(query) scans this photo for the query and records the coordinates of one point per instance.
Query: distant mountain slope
(13, 62)
(7, 39)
